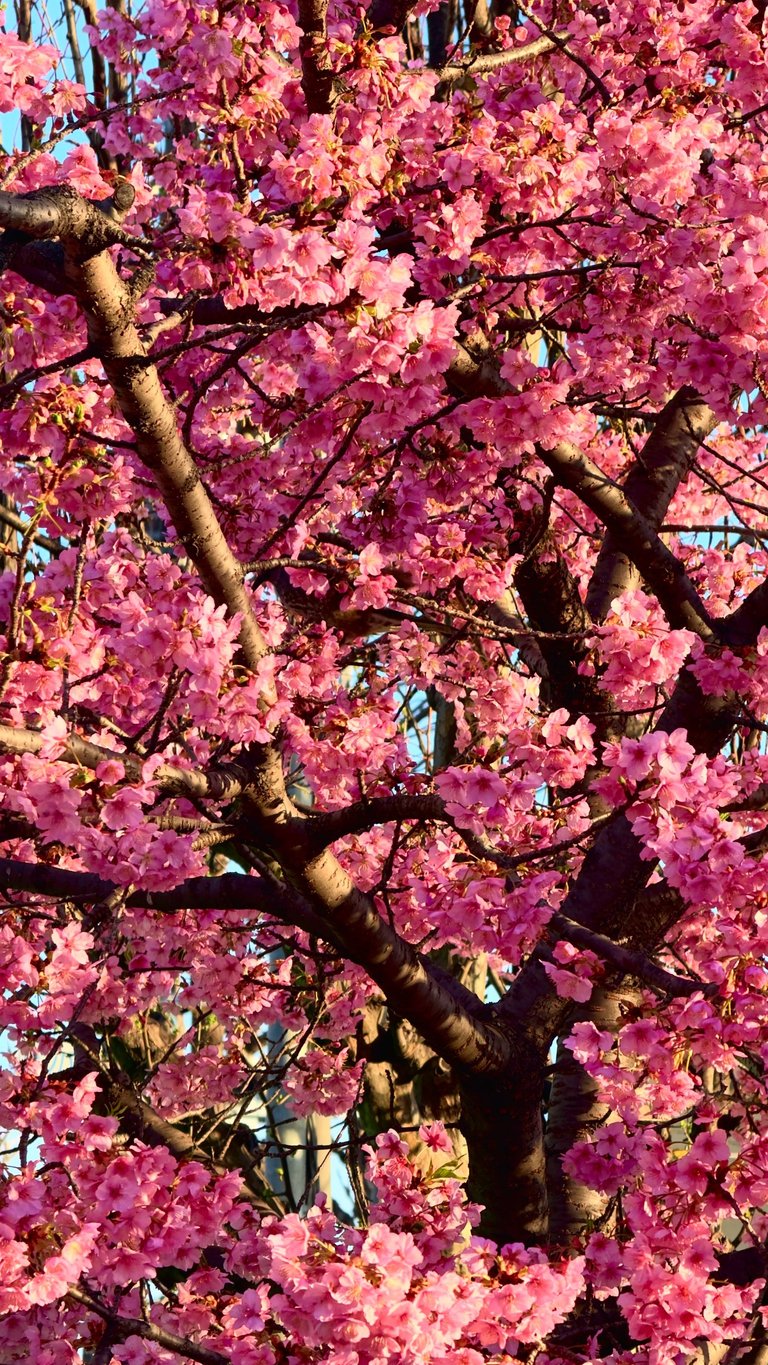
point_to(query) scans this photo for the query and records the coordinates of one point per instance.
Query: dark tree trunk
(439, 25)
(501, 1118)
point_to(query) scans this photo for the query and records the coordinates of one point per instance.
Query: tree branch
(609, 895)
(474, 371)
(480, 64)
(626, 960)
(744, 625)
(11, 518)
(143, 1122)
(567, 51)
(553, 606)
(148, 1331)
(447, 1015)
(85, 230)
(221, 784)
(316, 72)
(662, 465)
(350, 917)
(328, 826)
(661, 570)
(59, 212)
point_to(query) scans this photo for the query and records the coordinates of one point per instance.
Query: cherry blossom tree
(384, 602)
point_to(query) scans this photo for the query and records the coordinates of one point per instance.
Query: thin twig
(568, 52)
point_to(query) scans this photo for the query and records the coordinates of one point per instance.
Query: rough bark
(316, 72)
(553, 606)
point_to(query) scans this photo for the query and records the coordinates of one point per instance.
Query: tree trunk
(501, 1118)
(574, 1113)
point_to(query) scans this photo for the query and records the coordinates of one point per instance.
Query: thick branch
(446, 1013)
(389, 13)
(316, 72)
(481, 63)
(663, 464)
(85, 229)
(448, 1019)
(553, 606)
(326, 827)
(330, 825)
(222, 784)
(661, 570)
(59, 212)
(502, 612)
(231, 891)
(574, 1111)
(608, 895)
(474, 371)
(608, 898)
(745, 624)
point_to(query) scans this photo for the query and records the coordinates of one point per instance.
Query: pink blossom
(434, 1136)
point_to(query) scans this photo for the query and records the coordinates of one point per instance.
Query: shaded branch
(575, 1110)
(744, 625)
(628, 961)
(474, 371)
(352, 623)
(143, 1122)
(148, 1331)
(609, 894)
(330, 825)
(230, 891)
(389, 13)
(503, 613)
(553, 606)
